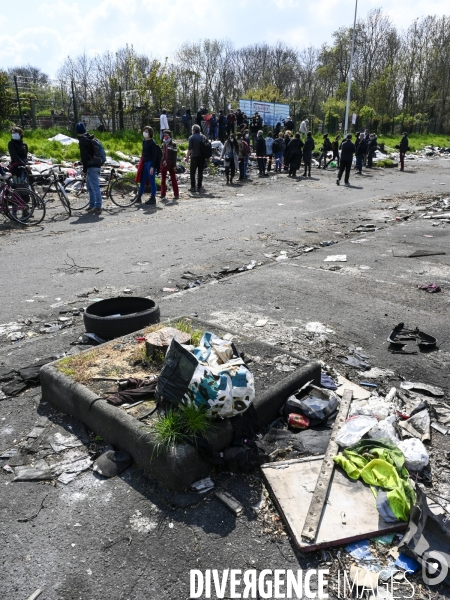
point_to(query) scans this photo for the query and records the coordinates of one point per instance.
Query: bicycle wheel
(27, 209)
(78, 197)
(64, 198)
(124, 192)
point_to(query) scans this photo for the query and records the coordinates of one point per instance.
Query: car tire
(119, 316)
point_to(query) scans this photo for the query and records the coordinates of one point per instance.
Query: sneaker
(162, 198)
(338, 182)
(97, 211)
(193, 190)
(346, 183)
(176, 197)
(151, 200)
(201, 190)
(90, 209)
(170, 203)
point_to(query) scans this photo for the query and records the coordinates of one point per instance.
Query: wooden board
(292, 484)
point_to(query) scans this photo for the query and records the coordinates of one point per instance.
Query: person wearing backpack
(92, 155)
(168, 165)
(326, 147)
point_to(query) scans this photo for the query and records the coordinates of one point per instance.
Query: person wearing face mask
(168, 164)
(230, 155)
(18, 152)
(147, 166)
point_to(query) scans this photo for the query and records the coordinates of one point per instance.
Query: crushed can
(298, 421)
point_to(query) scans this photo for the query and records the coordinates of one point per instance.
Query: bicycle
(20, 204)
(123, 191)
(51, 181)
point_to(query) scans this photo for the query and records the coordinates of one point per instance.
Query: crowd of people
(282, 151)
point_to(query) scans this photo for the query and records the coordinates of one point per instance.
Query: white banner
(271, 112)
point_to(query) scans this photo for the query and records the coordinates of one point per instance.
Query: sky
(44, 33)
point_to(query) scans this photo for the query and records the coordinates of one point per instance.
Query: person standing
(361, 149)
(326, 147)
(347, 152)
(303, 128)
(186, 119)
(222, 126)
(259, 120)
(242, 153)
(91, 168)
(248, 151)
(289, 124)
(335, 148)
(147, 166)
(230, 155)
(404, 147)
(277, 130)
(287, 141)
(294, 154)
(212, 126)
(373, 145)
(168, 165)
(367, 139)
(269, 151)
(278, 148)
(163, 123)
(307, 153)
(261, 153)
(254, 131)
(231, 120)
(195, 156)
(18, 152)
(239, 118)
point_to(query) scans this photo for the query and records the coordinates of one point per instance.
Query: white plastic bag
(384, 430)
(375, 406)
(416, 455)
(353, 430)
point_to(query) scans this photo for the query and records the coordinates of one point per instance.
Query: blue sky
(44, 33)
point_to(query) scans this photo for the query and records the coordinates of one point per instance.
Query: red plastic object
(298, 421)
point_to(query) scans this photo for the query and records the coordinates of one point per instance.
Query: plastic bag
(416, 455)
(354, 429)
(315, 403)
(375, 406)
(384, 430)
(176, 374)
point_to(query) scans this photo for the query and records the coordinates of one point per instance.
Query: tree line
(400, 78)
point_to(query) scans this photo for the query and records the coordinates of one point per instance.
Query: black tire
(36, 208)
(124, 192)
(64, 198)
(135, 313)
(78, 198)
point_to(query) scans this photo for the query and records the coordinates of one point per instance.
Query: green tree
(5, 100)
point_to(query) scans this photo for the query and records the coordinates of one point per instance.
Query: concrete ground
(121, 538)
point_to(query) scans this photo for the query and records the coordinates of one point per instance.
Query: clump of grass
(77, 366)
(186, 326)
(168, 429)
(195, 419)
(181, 425)
(385, 162)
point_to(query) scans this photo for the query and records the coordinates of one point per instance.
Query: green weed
(169, 431)
(385, 163)
(186, 326)
(195, 419)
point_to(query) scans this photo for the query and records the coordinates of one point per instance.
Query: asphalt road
(120, 538)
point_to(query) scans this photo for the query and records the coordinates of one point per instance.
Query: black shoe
(151, 201)
(139, 199)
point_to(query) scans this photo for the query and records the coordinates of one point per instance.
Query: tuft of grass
(168, 430)
(186, 326)
(195, 419)
(385, 162)
(77, 366)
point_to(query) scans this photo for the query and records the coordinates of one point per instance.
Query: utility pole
(18, 102)
(347, 108)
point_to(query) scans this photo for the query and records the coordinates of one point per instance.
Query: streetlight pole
(347, 108)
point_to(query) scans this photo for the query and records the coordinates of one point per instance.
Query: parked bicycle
(51, 181)
(123, 191)
(19, 203)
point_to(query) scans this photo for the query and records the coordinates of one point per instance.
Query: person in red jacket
(168, 165)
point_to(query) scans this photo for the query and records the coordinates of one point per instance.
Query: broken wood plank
(318, 499)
